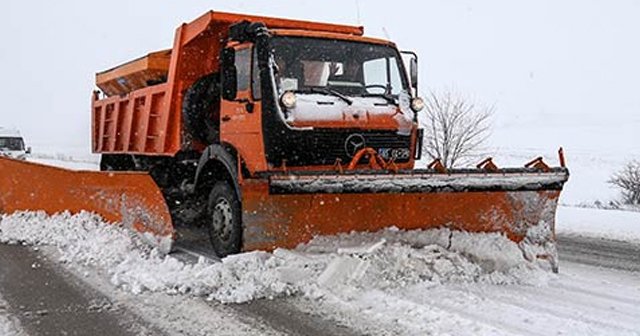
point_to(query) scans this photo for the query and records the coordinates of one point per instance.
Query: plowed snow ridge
(383, 260)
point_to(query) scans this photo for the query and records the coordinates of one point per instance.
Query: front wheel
(224, 226)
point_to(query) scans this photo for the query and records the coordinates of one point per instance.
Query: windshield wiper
(389, 98)
(327, 91)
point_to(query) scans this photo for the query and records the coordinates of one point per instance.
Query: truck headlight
(417, 104)
(288, 99)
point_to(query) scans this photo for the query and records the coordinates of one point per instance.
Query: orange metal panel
(156, 128)
(138, 109)
(113, 131)
(97, 128)
(330, 35)
(125, 127)
(175, 87)
(272, 221)
(108, 125)
(132, 199)
(243, 130)
(223, 20)
(120, 126)
(141, 141)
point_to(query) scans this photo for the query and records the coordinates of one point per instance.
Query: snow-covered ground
(390, 282)
(66, 161)
(599, 223)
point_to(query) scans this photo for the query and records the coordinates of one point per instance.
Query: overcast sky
(558, 72)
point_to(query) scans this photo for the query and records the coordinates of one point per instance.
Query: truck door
(240, 116)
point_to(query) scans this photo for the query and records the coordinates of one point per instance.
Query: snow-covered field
(390, 282)
(70, 161)
(599, 223)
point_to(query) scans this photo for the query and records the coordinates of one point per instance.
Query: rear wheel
(224, 224)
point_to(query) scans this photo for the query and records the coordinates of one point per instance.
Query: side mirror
(28, 151)
(413, 72)
(413, 68)
(229, 74)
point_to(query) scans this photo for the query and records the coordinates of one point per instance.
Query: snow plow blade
(132, 199)
(287, 209)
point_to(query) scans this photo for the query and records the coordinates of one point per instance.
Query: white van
(12, 144)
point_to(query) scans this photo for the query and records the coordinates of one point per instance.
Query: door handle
(226, 118)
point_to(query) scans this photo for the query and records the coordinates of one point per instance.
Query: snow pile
(385, 260)
(395, 258)
(8, 325)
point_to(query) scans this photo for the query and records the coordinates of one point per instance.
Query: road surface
(48, 300)
(599, 252)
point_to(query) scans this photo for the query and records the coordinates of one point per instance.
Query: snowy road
(583, 300)
(600, 252)
(47, 302)
(597, 292)
(594, 294)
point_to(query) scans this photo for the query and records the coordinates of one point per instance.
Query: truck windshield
(343, 67)
(12, 144)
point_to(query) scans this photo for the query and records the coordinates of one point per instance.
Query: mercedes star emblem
(354, 143)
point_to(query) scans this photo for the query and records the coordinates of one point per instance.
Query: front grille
(329, 145)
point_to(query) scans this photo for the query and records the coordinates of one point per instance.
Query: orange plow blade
(285, 210)
(132, 199)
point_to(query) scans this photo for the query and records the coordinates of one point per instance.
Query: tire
(224, 222)
(201, 108)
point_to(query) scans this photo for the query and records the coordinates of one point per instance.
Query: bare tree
(455, 128)
(628, 180)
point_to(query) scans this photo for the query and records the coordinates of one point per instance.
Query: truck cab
(317, 99)
(12, 144)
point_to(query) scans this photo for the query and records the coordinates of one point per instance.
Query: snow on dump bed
(384, 260)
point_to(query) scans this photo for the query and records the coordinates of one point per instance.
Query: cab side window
(243, 61)
(255, 75)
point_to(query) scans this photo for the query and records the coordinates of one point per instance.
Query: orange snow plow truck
(259, 132)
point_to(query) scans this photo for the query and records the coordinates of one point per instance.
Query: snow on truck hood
(324, 110)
